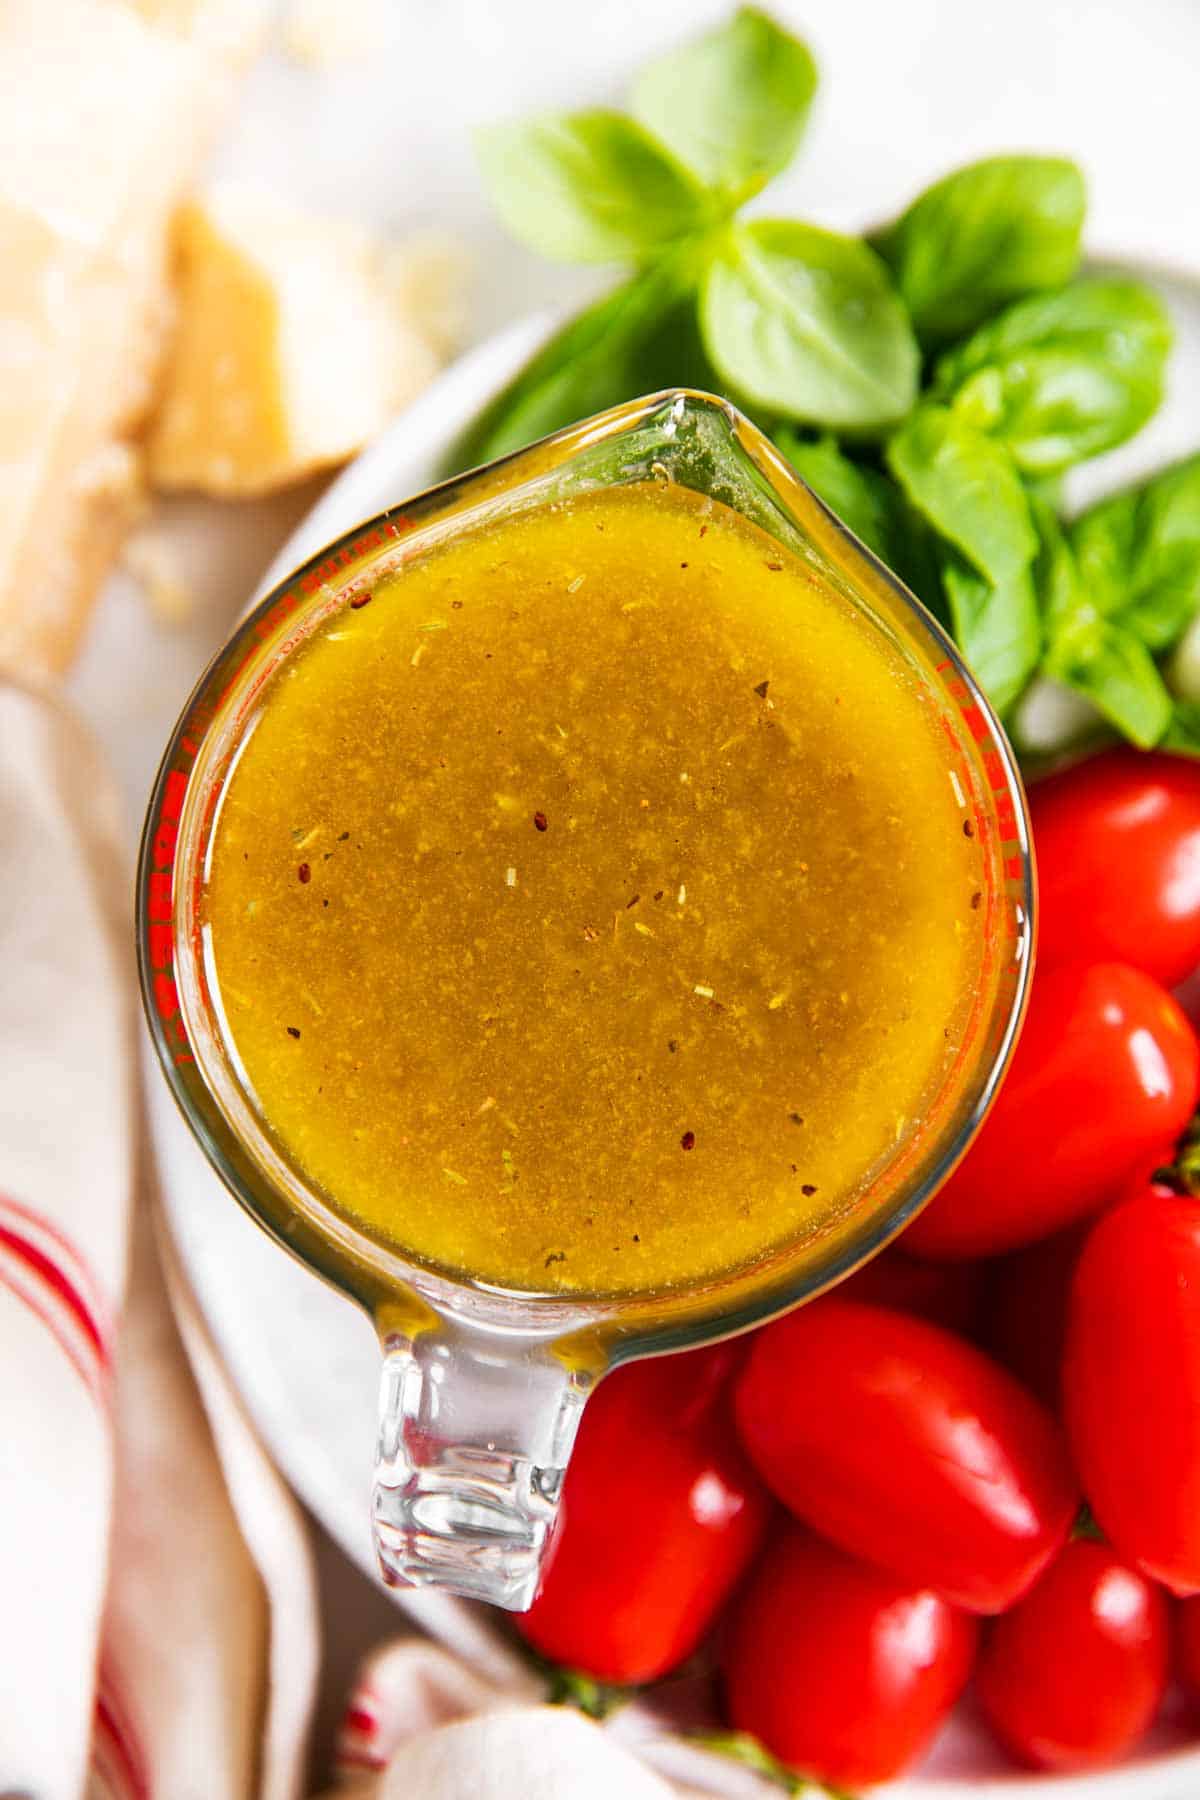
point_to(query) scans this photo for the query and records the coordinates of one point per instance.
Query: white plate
(305, 1359)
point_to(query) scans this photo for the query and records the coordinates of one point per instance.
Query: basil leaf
(589, 187)
(995, 626)
(732, 105)
(1105, 662)
(1183, 732)
(806, 324)
(1048, 488)
(1093, 643)
(984, 235)
(1055, 572)
(1063, 375)
(873, 507)
(1139, 554)
(967, 487)
(640, 337)
(863, 499)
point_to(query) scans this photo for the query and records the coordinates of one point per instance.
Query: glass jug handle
(475, 1429)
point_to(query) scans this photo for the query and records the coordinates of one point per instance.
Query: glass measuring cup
(483, 1386)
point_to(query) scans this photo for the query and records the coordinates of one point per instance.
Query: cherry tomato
(1024, 1310)
(843, 1672)
(1187, 1647)
(907, 1446)
(1131, 1382)
(1074, 1674)
(1118, 850)
(947, 1294)
(661, 1513)
(1105, 1072)
(1026, 1326)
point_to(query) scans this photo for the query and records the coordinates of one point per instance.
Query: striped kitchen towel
(158, 1622)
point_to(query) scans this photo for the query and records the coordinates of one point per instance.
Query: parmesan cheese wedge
(108, 108)
(298, 339)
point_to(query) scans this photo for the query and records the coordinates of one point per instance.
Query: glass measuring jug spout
(582, 913)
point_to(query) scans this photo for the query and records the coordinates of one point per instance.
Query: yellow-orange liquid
(593, 910)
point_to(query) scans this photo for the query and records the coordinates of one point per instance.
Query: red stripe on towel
(116, 1744)
(45, 1271)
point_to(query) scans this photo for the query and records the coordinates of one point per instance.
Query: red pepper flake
(292, 1030)
(968, 828)
(359, 601)
(976, 900)
(806, 1187)
(541, 821)
(703, 529)
(683, 565)
(774, 567)
(304, 872)
(761, 689)
(632, 902)
(688, 1141)
(456, 606)
(342, 836)
(672, 1045)
(795, 1118)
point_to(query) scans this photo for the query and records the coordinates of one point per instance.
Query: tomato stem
(1183, 1174)
(740, 1747)
(1187, 1159)
(571, 1687)
(1087, 1525)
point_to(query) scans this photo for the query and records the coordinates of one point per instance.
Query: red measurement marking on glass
(160, 938)
(332, 565)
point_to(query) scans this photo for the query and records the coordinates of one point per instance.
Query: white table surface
(909, 88)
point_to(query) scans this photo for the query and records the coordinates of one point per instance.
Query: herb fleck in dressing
(636, 914)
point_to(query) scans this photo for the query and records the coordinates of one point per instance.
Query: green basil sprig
(796, 321)
(949, 474)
